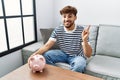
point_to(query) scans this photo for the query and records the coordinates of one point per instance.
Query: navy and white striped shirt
(69, 41)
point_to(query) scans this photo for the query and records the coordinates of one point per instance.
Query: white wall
(91, 11)
(44, 11)
(10, 62)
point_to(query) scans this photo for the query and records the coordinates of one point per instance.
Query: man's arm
(45, 47)
(86, 47)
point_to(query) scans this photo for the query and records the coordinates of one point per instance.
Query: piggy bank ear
(41, 59)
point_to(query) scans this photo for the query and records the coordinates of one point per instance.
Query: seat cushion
(105, 65)
(108, 41)
(93, 37)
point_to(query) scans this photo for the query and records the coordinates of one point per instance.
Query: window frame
(4, 17)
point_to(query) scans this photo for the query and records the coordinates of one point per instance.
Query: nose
(66, 18)
(36, 66)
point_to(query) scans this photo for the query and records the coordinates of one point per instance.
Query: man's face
(68, 19)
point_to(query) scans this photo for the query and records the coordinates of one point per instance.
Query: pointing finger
(88, 27)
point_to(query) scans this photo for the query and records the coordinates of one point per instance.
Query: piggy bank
(37, 63)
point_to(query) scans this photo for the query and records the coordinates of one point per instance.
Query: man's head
(68, 16)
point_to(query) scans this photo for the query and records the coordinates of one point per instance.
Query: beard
(68, 24)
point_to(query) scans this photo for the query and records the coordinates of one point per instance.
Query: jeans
(77, 63)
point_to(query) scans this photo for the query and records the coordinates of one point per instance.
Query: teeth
(67, 22)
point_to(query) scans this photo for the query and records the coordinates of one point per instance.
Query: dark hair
(68, 9)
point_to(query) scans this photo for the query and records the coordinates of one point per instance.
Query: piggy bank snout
(36, 66)
(37, 63)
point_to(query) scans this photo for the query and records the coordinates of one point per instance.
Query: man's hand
(85, 34)
(86, 47)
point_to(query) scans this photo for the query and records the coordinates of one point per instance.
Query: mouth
(67, 22)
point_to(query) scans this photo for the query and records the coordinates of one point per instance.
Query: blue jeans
(77, 63)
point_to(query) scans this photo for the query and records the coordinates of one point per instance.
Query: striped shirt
(69, 41)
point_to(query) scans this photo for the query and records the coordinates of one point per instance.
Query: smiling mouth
(67, 22)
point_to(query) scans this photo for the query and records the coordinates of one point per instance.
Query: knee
(80, 62)
(79, 68)
(79, 65)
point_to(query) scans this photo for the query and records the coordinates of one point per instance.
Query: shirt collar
(71, 31)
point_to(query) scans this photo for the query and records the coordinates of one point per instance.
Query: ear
(75, 17)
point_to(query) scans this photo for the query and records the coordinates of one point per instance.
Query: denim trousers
(77, 63)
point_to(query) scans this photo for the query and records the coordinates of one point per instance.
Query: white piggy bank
(37, 63)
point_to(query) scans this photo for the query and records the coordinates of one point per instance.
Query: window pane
(29, 29)
(1, 12)
(15, 32)
(27, 7)
(3, 43)
(12, 7)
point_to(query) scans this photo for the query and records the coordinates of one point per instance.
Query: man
(72, 40)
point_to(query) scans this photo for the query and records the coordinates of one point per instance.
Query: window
(17, 25)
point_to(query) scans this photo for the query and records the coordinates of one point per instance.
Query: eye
(70, 15)
(32, 59)
(41, 59)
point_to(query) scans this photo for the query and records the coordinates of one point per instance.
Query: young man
(72, 40)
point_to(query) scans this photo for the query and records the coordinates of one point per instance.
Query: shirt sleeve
(53, 36)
